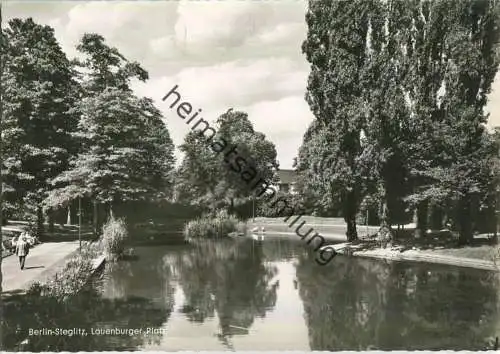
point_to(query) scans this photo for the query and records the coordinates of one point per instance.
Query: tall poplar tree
(471, 67)
(453, 62)
(2, 65)
(387, 127)
(336, 49)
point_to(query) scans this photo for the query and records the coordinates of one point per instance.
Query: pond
(247, 295)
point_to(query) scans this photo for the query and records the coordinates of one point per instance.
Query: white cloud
(222, 54)
(282, 33)
(202, 25)
(127, 25)
(238, 83)
(286, 116)
(164, 47)
(106, 18)
(240, 54)
(284, 122)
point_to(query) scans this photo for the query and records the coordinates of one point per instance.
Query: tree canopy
(74, 128)
(398, 90)
(223, 172)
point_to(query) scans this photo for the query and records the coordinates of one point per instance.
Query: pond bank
(434, 248)
(470, 257)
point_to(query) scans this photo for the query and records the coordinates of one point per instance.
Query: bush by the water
(114, 236)
(211, 226)
(71, 278)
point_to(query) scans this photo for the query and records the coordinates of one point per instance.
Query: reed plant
(114, 237)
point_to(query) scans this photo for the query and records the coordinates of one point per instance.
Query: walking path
(41, 259)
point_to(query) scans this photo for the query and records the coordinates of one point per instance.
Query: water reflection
(233, 288)
(88, 311)
(128, 296)
(358, 304)
(145, 276)
(230, 279)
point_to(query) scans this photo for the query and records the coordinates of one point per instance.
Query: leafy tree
(127, 153)
(258, 153)
(336, 48)
(224, 171)
(197, 175)
(399, 109)
(2, 203)
(316, 193)
(387, 126)
(38, 121)
(457, 56)
(494, 195)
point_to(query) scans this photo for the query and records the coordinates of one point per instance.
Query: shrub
(211, 226)
(114, 236)
(71, 278)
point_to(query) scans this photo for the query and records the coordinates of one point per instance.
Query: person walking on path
(22, 250)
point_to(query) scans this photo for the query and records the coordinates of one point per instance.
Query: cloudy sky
(243, 54)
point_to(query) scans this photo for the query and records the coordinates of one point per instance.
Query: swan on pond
(258, 229)
(258, 237)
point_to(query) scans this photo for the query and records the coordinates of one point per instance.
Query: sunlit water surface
(271, 295)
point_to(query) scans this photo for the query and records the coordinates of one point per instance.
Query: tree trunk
(349, 211)
(111, 214)
(385, 224)
(436, 217)
(464, 221)
(39, 223)
(384, 218)
(68, 218)
(50, 216)
(95, 220)
(352, 233)
(422, 218)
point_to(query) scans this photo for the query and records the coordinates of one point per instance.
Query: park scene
(240, 175)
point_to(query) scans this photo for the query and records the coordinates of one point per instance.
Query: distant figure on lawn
(22, 250)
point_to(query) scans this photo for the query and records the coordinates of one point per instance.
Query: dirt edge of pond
(426, 256)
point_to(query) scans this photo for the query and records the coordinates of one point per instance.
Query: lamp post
(80, 222)
(253, 207)
(366, 222)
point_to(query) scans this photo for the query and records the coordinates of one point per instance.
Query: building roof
(287, 176)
